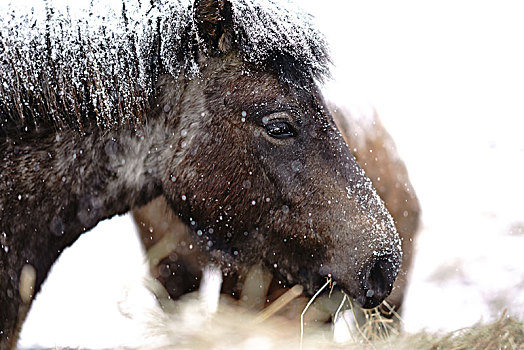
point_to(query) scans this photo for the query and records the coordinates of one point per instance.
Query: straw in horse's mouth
(277, 313)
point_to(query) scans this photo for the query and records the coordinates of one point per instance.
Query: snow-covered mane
(100, 65)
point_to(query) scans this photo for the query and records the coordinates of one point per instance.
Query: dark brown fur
(297, 203)
(179, 269)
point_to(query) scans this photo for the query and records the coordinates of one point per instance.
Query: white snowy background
(447, 79)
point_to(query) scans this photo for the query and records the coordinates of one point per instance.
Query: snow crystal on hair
(100, 64)
(279, 27)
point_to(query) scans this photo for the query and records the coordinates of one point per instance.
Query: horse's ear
(214, 22)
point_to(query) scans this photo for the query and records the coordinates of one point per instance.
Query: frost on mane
(100, 65)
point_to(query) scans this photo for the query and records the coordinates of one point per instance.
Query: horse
(178, 267)
(213, 105)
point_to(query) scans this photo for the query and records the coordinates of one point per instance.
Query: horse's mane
(100, 65)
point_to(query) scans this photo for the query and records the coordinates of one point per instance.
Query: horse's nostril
(377, 278)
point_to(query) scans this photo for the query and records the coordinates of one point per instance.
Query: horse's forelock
(279, 33)
(276, 34)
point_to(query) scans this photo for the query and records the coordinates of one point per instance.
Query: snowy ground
(448, 81)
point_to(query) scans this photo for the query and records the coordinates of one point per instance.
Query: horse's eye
(280, 129)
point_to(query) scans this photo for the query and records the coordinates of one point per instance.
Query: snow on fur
(101, 63)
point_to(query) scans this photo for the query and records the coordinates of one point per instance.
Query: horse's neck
(71, 181)
(54, 187)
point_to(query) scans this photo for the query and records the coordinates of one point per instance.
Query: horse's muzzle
(377, 278)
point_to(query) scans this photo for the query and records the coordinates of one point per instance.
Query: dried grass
(234, 326)
(188, 324)
(505, 333)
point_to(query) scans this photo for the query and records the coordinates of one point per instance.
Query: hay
(234, 326)
(189, 324)
(307, 308)
(504, 333)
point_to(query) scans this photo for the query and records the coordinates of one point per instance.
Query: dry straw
(233, 326)
(242, 328)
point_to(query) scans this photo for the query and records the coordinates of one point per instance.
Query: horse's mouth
(369, 300)
(372, 288)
